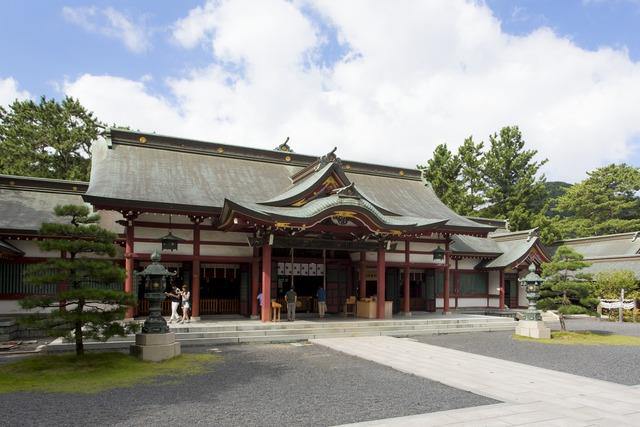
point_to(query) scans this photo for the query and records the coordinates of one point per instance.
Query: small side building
(610, 252)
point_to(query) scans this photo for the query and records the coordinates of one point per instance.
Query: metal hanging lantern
(155, 282)
(438, 254)
(170, 242)
(532, 283)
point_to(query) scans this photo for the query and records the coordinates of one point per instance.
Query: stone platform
(207, 332)
(155, 347)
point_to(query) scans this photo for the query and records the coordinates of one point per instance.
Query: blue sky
(44, 48)
(48, 47)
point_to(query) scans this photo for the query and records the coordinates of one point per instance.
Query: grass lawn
(94, 372)
(583, 338)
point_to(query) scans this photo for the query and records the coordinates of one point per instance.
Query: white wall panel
(156, 233)
(217, 250)
(472, 302)
(494, 282)
(466, 263)
(31, 249)
(144, 247)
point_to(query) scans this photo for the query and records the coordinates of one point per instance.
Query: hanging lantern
(438, 254)
(170, 242)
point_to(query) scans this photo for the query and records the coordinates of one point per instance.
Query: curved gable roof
(176, 174)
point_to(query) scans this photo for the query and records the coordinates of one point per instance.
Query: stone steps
(213, 334)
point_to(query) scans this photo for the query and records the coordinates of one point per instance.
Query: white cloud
(416, 74)
(9, 91)
(111, 23)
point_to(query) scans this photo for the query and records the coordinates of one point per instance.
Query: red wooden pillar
(362, 275)
(456, 283)
(128, 264)
(445, 303)
(266, 282)
(255, 272)
(407, 294)
(501, 290)
(195, 270)
(381, 282)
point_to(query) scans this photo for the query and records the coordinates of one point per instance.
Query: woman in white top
(186, 306)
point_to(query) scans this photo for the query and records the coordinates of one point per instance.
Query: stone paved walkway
(533, 396)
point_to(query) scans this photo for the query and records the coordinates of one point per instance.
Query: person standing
(322, 301)
(291, 298)
(259, 304)
(174, 297)
(186, 305)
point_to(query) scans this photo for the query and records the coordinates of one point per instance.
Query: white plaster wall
(31, 249)
(424, 259)
(221, 236)
(472, 302)
(440, 302)
(156, 233)
(420, 246)
(143, 247)
(216, 250)
(391, 257)
(522, 295)
(494, 302)
(466, 263)
(494, 282)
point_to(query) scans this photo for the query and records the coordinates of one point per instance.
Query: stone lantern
(155, 343)
(532, 326)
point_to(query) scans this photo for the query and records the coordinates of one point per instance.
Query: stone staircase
(215, 333)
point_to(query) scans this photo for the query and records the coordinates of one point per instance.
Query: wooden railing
(420, 304)
(219, 306)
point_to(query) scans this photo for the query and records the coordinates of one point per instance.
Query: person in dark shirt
(322, 301)
(291, 297)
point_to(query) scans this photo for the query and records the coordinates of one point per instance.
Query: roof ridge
(195, 146)
(614, 236)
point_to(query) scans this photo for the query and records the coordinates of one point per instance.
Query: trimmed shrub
(572, 309)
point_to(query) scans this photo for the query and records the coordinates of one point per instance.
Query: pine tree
(47, 139)
(86, 308)
(514, 191)
(565, 287)
(606, 202)
(471, 176)
(442, 172)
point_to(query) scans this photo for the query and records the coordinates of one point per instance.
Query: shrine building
(235, 221)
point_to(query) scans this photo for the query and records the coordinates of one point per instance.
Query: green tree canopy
(85, 306)
(442, 172)
(471, 176)
(604, 203)
(514, 190)
(564, 284)
(610, 283)
(47, 139)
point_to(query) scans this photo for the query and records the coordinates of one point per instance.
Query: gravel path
(253, 385)
(618, 364)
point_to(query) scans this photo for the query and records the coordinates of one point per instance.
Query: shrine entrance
(220, 288)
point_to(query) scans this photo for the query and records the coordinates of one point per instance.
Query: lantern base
(155, 347)
(533, 329)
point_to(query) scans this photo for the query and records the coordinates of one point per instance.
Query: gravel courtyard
(252, 385)
(618, 364)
